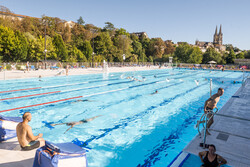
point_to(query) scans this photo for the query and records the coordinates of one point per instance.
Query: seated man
(210, 159)
(25, 136)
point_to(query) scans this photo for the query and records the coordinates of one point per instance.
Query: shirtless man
(72, 124)
(210, 104)
(25, 136)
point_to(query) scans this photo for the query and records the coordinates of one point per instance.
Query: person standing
(210, 104)
(27, 66)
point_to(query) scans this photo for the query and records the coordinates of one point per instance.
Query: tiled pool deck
(230, 132)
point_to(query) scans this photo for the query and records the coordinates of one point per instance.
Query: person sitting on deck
(25, 136)
(210, 104)
(72, 124)
(210, 159)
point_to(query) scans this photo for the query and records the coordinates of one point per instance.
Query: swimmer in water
(197, 82)
(72, 124)
(154, 92)
(79, 101)
(40, 78)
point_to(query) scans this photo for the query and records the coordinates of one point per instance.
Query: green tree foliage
(80, 21)
(14, 46)
(195, 55)
(182, 52)
(247, 54)
(137, 48)
(109, 27)
(240, 55)
(169, 49)
(60, 48)
(98, 58)
(211, 54)
(231, 56)
(86, 50)
(103, 44)
(132, 58)
(188, 54)
(156, 48)
(75, 55)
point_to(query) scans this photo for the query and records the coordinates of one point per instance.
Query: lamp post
(123, 56)
(93, 32)
(45, 50)
(93, 58)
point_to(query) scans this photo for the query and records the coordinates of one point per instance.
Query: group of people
(132, 78)
(26, 138)
(209, 158)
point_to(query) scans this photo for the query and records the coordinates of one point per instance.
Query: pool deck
(230, 132)
(12, 156)
(17, 74)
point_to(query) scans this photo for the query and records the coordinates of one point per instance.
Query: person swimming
(40, 78)
(80, 101)
(197, 82)
(72, 124)
(154, 92)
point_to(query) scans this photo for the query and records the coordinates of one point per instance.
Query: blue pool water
(136, 128)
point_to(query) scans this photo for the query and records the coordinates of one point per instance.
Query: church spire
(215, 31)
(220, 30)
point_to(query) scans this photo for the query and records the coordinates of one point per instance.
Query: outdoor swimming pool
(136, 128)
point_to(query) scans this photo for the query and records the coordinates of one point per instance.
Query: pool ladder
(204, 120)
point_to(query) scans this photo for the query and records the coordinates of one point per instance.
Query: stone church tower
(218, 37)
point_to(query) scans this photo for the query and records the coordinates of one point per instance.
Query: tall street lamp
(93, 32)
(123, 56)
(45, 50)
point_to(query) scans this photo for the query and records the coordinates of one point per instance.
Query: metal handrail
(203, 120)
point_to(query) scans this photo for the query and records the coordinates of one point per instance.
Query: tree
(60, 48)
(240, 55)
(182, 52)
(21, 46)
(170, 49)
(109, 27)
(14, 46)
(211, 54)
(231, 56)
(75, 55)
(195, 55)
(86, 50)
(137, 48)
(156, 48)
(81, 21)
(103, 44)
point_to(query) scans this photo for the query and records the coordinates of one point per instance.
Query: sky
(176, 20)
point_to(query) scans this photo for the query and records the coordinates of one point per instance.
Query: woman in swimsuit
(210, 159)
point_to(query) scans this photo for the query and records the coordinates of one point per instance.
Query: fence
(57, 64)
